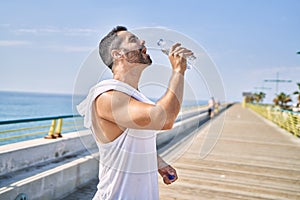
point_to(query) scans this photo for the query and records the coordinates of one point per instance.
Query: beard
(137, 56)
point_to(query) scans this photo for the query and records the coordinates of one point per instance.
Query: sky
(44, 43)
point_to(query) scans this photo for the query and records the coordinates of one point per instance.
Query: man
(211, 107)
(124, 122)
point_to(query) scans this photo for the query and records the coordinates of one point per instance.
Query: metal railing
(24, 129)
(12, 131)
(288, 120)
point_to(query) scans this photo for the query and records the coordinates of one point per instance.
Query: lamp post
(277, 81)
(262, 88)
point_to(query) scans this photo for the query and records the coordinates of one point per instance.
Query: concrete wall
(22, 155)
(54, 183)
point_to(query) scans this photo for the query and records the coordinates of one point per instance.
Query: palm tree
(282, 99)
(262, 95)
(259, 97)
(298, 92)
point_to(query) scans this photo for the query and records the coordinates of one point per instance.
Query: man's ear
(115, 54)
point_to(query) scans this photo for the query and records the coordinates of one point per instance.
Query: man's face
(134, 49)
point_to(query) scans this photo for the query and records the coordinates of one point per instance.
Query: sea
(28, 105)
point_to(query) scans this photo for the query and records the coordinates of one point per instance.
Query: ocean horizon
(16, 105)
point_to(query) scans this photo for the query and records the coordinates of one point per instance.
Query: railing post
(244, 102)
(58, 128)
(294, 124)
(51, 130)
(298, 125)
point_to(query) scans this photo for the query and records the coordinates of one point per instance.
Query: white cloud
(14, 42)
(69, 49)
(80, 31)
(56, 30)
(26, 30)
(4, 25)
(47, 30)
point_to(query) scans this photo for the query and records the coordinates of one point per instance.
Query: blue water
(19, 105)
(23, 105)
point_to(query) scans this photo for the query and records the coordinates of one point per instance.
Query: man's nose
(142, 42)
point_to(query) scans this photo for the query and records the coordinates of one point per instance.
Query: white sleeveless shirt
(128, 165)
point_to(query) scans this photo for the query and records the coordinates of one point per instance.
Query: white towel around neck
(85, 107)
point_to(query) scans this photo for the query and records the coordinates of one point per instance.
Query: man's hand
(177, 57)
(168, 174)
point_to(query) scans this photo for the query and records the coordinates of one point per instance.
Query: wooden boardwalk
(253, 159)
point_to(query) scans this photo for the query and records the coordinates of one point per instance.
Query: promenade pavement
(252, 159)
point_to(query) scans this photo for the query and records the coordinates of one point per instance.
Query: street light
(277, 81)
(262, 88)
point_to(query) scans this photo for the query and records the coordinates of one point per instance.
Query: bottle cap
(171, 177)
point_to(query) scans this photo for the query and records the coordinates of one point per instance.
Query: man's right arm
(127, 112)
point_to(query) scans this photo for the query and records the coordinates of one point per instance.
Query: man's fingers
(190, 53)
(167, 180)
(174, 47)
(181, 51)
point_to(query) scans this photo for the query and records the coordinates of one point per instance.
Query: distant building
(248, 97)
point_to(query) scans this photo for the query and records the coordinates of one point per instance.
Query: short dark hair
(108, 43)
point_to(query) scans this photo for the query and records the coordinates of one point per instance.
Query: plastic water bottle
(171, 177)
(165, 46)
